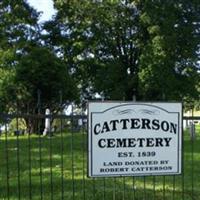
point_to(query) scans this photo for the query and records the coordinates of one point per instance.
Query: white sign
(134, 139)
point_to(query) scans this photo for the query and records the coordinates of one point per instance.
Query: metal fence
(54, 165)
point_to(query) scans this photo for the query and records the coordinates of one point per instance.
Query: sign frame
(117, 104)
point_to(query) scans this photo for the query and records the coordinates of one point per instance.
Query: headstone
(80, 122)
(47, 128)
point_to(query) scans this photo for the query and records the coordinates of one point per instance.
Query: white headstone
(47, 123)
(80, 122)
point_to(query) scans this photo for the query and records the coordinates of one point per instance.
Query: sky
(46, 6)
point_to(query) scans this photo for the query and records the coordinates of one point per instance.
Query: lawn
(36, 167)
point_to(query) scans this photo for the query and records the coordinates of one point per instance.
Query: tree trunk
(35, 125)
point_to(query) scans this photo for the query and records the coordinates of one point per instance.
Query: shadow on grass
(34, 166)
(94, 189)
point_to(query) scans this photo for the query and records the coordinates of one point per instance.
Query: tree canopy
(115, 48)
(28, 68)
(125, 48)
(42, 71)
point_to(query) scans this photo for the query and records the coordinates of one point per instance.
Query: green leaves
(117, 48)
(26, 65)
(41, 70)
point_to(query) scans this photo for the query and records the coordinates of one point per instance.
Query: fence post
(38, 100)
(192, 131)
(134, 98)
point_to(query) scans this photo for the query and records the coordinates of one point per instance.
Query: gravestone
(47, 128)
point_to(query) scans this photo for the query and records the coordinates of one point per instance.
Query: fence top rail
(62, 116)
(191, 117)
(42, 116)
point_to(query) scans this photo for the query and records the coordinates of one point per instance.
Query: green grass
(35, 168)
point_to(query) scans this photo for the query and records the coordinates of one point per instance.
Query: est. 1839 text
(138, 154)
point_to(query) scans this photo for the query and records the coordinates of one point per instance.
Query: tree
(44, 78)
(18, 22)
(42, 71)
(37, 82)
(125, 48)
(169, 67)
(29, 65)
(99, 39)
(33, 77)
